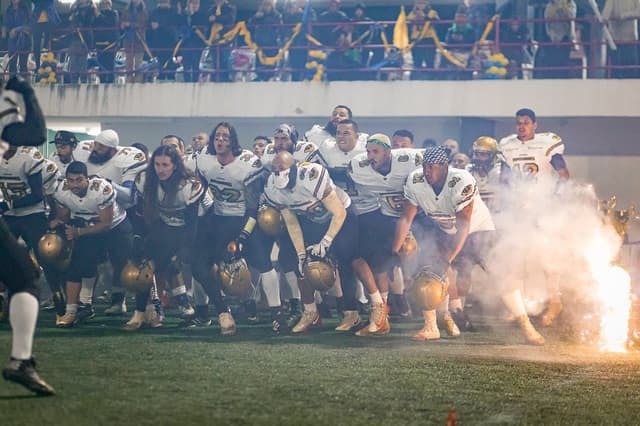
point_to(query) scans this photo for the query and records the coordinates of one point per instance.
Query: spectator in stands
(622, 19)
(514, 39)
(479, 12)
(106, 33)
(293, 14)
(162, 36)
(199, 141)
(194, 18)
(330, 29)
(134, 23)
(81, 17)
(560, 27)
(43, 20)
(460, 38)
(429, 143)
(224, 14)
(16, 31)
(265, 29)
(366, 32)
(344, 61)
(423, 51)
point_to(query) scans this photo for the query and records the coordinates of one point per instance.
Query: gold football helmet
(54, 250)
(409, 247)
(320, 273)
(235, 278)
(270, 221)
(137, 277)
(481, 147)
(429, 289)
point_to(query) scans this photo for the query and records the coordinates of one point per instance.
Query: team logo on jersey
(467, 190)
(363, 163)
(107, 190)
(95, 185)
(37, 155)
(555, 138)
(65, 186)
(246, 157)
(403, 158)
(418, 178)
(313, 174)
(303, 173)
(51, 168)
(139, 157)
(308, 148)
(418, 159)
(453, 181)
(257, 164)
(271, 150)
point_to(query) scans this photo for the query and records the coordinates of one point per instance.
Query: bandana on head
(290, 130)
(436, 155)
(380, 139)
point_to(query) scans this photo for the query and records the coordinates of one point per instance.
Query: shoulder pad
(418, 158)
(363, 163)
(51, 167)
(257, 163)
(313, 173)
(467, 190)
(403, 158)
(246, 156)
(128, 156)
(453, 181)
(85, 145)
(270, 149)
(550, 137)
(508, 139)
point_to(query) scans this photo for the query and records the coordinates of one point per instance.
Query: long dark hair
(236, 149)
(170, 188)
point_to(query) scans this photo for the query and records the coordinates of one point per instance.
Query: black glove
(242, 240)
(19, 85)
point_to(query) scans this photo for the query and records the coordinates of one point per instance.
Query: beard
(96, 158)
(331, 128)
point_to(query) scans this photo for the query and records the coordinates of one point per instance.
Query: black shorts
(17, 271)
(345, 245)
(164, 242)
(215, 232)
(88, 252)
(31, 228)
(376, 233)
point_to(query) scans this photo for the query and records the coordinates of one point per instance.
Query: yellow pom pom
(43, 81)
(48, 69)
(492, 70)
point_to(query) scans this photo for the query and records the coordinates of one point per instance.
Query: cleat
(68, 320)
(449, 324)
(364, 331)
(462, 320)
(116, 309)
(151, 317)
(294, 313)
(196, 322)
(553, 310)
(23, 372)
(279, 324)
(136, 322)
(379, 319)
(324, 310)
(428, 332)
(363, 308)
(227, 324)
(85, 313)
(530, 333)
(47, 305)
(252, 319)
(309, 319)
(350, 320)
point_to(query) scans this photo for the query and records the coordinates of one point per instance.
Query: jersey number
(13, 191)
(228, 195)
(526, 170)
(396, 202)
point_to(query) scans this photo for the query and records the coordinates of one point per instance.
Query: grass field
(171, 376)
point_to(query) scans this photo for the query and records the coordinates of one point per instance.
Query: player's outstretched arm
(33, 130)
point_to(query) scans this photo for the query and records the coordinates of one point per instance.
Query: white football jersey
(124, 166)
(303, 151)
(228, 182)
(191, 164)
(50, 177)
(532, 158)
(388, 189)
(189, 192)
(457, 193)
(14, 178)
(313, 184)
(316, 134)
(85, 211)
(489, 186)
(337, 163)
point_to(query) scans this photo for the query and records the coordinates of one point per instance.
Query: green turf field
(170, 376)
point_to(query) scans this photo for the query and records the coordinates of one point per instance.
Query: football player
(168, 195)
(65, 142)
(527, 156)
(259, 145)
(198, 142)
(485, 169)
(379, 176)
(17, 271)
(402, 139)
(105, 157)
(319, 221)
(86, 208)
(462, 234)
(285, 138)
(335, 155)
(236, 178)
(318, 133)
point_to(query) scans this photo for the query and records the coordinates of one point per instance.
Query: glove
(19, 85)
(321, 249)
(302, 257)
(4, 207)
(242, 240)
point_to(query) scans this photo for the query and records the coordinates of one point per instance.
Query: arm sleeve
(36, 196)
(252, 192)
(464, 192)
(33, 131)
